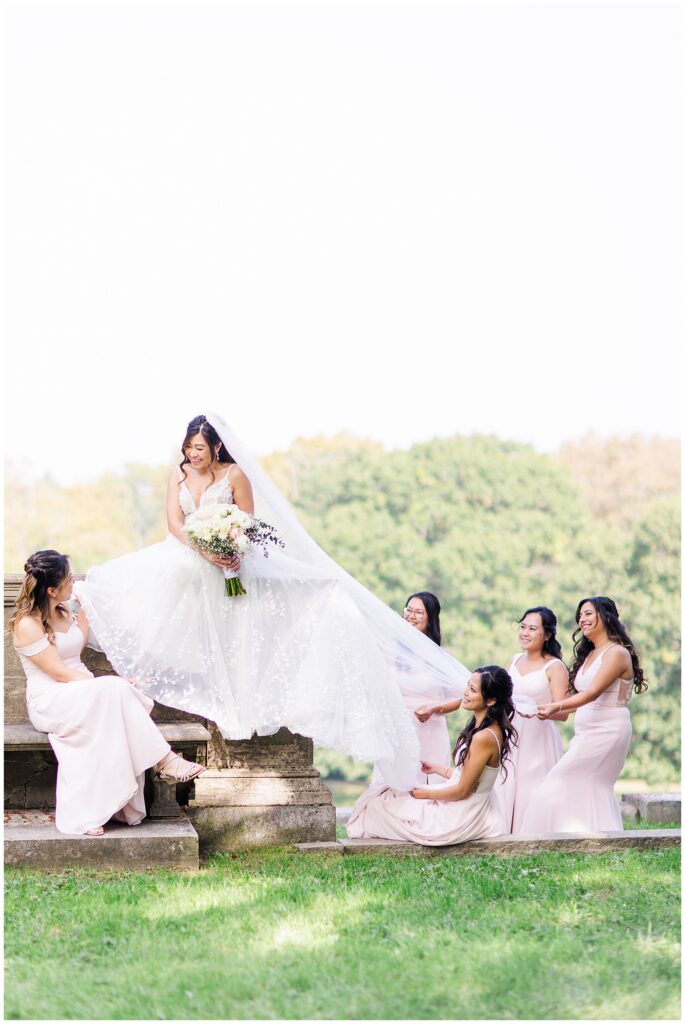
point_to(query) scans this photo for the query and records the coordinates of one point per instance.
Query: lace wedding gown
(308, 647)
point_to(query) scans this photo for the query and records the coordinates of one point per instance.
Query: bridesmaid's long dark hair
(495, 684)
(616, 631)
(43, 569)
(432, 606)
(549, 625)
(201, 425)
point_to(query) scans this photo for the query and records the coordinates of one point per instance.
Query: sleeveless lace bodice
(616, 695)
(220, 491)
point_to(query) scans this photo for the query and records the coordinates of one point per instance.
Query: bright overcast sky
(398, 220)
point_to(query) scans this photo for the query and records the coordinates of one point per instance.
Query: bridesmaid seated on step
(578, 793)
(539, 674)
(99, 728)
(463, 807)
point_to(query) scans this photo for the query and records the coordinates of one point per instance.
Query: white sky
(399, 220)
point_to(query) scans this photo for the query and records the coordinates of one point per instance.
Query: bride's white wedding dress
(308, 647)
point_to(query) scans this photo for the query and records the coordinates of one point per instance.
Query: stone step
(509, 846)
(32, 841)
(22, 735)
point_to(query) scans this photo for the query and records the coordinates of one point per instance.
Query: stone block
(517, 846)
(226, 787)
(327, 849)
(32, 841)
(240, 828)
(658, 807)
(30, 779)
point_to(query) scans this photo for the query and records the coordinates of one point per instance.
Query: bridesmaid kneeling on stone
(99, 728)
(464, 807)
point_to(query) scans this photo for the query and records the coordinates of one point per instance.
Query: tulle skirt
(295, 651)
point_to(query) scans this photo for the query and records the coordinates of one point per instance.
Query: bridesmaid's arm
(242, 490)
(426, 710)
(614, 664)
(558, 684)
(481, 750)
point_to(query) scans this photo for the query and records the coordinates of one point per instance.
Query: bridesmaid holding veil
(578, 793)
(307, 647)
(539, 674)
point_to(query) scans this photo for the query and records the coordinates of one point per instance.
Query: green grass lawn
(277, 934)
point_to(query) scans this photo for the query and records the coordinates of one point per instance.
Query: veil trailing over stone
(404, 660)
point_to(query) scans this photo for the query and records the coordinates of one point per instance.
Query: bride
(307, 647)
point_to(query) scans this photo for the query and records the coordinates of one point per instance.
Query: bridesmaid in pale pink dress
(464, 806)
(578, 793)
(539, 674)
(99, 728)
(422, 611)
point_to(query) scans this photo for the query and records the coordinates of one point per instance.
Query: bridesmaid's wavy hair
(549, 625)
(432, 606)
(201, 425)
(495, 684)
(616, 631)
(43, 569)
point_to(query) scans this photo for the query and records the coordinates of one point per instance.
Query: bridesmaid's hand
(545, 710)
(430, 769)
(420, 794)
(425, 711)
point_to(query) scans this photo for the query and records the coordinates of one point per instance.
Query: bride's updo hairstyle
(43, 569)
(495, 684)
(201, 425)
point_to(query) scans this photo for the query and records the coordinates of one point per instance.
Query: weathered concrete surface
(22, 735)
(241, 828)
(32, 841)
(222, 787)
(30, 779)
(328, 849)
(513, 846)
(657, 807)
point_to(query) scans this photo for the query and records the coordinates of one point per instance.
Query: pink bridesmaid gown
(102, 736)
(389, 814)
(578, 793)
(539, 748)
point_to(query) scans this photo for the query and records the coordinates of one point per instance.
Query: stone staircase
(32, 841)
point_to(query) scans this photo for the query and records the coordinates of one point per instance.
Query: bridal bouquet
(225, 530)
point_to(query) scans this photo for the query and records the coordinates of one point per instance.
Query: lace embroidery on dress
(220, 491)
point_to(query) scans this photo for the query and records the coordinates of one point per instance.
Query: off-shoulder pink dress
(388, 814)
(578, 793)
(102, 735)
(539, 748)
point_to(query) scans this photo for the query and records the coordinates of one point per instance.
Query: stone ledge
(511, 846)
(32, 841)
(656, 807)
(24, 737)
(330, 849)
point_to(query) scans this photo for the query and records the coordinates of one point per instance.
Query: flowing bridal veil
(308, 647)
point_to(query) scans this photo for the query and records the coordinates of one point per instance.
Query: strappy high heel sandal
(171, 770)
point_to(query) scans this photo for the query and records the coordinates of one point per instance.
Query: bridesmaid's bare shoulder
(27, 630)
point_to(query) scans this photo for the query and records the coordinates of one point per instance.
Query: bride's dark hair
(201, 425)
(43, 569)
(616, 631)
(495, 684)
